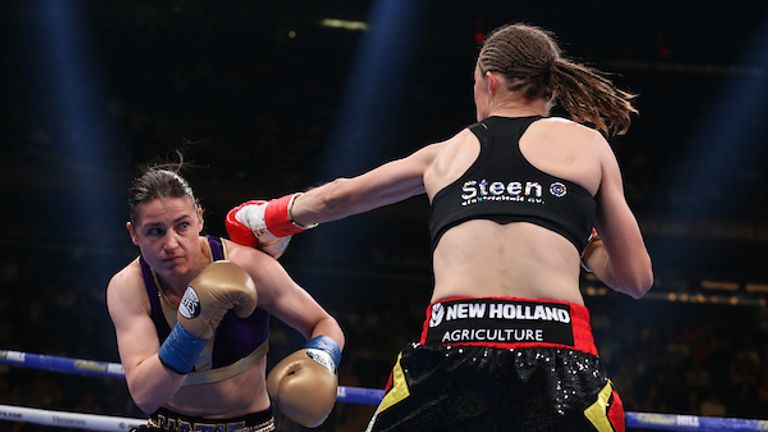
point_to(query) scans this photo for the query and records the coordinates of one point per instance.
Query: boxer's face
(167, 233)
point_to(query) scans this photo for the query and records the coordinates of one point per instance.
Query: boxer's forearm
(384, 185)
(151, 384)
(329, 327)
(345, 197)
(329, 202)
(622, 280)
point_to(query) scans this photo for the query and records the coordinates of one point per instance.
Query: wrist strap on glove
(279, 220)
(180, 350)
(325, 351)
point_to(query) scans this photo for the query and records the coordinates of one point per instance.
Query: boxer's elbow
(149, 392)
(340, 338)
(639, 289)
(147, 401)
(146, 407)
(328, 326)
(638, 282)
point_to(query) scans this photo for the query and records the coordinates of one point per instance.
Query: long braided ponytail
(531, 60)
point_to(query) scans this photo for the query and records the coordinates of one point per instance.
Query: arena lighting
(372, 96)
(722, 143)
(67, 73)
(64, 76)
(756, 287)
(720, 285)
(344, 24)
(366, 117)
(672, 297)
(370, 112)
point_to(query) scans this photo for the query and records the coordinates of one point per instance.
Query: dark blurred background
(265, 99)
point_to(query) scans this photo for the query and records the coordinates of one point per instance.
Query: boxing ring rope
(355, 395)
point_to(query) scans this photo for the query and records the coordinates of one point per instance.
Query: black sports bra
(502, 186)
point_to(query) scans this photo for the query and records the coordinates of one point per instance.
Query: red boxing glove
(238, 231)
(265, 225)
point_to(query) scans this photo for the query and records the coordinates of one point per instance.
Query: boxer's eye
(155, 232)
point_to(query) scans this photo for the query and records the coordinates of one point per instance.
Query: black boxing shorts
(166, 420)
(500, 364)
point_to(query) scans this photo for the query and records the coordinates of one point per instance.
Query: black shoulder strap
(480, 130)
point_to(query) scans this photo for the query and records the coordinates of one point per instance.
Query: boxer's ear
(131, 232)
(200, 219)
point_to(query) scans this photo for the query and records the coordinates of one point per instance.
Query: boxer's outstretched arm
(149, 382)
(269, 225)
(387, 184)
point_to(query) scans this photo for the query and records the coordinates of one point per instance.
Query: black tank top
(502, 186)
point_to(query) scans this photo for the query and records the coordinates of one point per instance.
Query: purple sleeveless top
(235, 337)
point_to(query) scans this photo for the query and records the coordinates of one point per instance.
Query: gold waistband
(220, 374)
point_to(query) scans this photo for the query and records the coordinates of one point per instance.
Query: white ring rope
(353, 395)
(68, 419)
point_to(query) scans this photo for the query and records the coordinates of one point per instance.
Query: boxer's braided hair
(159, 181)
(532, 62)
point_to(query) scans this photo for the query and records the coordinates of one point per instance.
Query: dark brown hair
(159, 181)
(532, 62)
